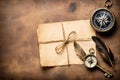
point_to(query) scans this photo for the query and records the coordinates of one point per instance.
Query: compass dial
(90, 61)
(102, 20)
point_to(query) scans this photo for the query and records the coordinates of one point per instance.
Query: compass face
(102, 20)
(90, 61)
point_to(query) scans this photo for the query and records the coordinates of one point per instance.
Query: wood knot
(72, 7)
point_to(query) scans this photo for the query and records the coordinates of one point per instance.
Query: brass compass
(102, 19)
(90, 60)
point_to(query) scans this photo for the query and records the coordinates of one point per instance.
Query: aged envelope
(51, 35)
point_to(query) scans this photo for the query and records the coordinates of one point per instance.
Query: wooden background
(19, 58)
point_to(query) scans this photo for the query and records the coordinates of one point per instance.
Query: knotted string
(60, 48)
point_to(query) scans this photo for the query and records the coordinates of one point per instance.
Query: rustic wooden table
(19, 58)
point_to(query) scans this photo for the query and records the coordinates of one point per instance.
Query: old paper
(84, 31)
(51, 35)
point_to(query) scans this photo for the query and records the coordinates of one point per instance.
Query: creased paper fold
(52, 34)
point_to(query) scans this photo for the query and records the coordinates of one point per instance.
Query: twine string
(60, 48)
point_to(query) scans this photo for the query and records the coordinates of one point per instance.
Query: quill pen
(79, 51)
(104, 50)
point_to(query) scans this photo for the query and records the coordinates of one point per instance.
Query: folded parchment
(51, 35)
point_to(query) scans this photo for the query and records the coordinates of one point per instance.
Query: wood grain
(19, 59)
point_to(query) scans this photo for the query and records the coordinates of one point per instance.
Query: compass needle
(102, 19)
(90, 60)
